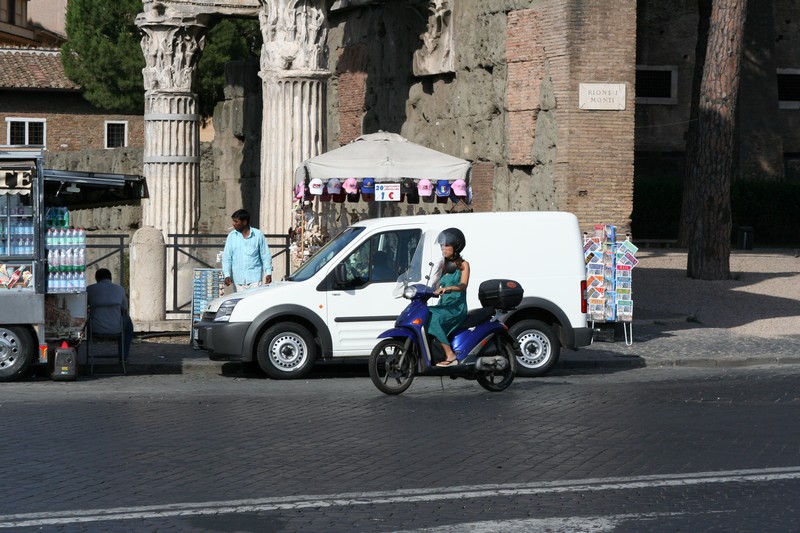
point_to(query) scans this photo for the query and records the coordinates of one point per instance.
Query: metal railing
(120, 248)
(184, 245)
(116, 247)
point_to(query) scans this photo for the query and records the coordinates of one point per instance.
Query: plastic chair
(95, 334)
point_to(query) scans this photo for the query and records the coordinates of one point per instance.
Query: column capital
(437, 55)
(171, 43)
(294, 34)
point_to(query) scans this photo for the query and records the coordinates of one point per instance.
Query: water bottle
(69, 260)
(80, 261)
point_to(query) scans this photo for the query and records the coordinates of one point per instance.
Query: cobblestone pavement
(642, 449)
(655, 342)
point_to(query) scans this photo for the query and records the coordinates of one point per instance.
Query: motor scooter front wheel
(390, 367)
(499, 381)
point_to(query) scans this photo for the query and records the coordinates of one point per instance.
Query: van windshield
(325, 254)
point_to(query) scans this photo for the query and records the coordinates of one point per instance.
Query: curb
(216, 368)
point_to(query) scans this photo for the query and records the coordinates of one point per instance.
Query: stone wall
(510, 107)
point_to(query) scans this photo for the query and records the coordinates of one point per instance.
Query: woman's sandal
(447, 362)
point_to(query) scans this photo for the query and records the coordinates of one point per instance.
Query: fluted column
(171, 44)
(293, 73)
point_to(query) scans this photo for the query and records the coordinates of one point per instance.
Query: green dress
(451, 311)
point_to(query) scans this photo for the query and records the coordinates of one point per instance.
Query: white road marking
(396, 496)
(588, 524)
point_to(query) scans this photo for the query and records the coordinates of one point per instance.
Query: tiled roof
(33, 68)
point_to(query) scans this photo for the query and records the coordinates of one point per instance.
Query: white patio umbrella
(385, 157)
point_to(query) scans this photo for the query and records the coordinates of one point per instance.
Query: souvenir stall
(384, 168)
(609, 289)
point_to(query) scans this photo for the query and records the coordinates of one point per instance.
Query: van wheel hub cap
(288, 351)
(535, 349)
(9, 348)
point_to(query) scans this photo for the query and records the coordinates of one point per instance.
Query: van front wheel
(538, 345)
(286, 351)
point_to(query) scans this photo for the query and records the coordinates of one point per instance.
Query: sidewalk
(752, 320)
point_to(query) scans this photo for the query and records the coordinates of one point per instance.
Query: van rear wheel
(17, 350)
(538, 345)
(286, 351)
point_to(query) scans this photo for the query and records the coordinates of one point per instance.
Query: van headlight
(225, 310)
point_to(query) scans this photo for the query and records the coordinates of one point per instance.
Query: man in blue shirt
(246, 259)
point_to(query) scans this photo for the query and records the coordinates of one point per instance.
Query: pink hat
(300, 191)
(315, 186)
(459, 188)
(350, 185)
(425, 187)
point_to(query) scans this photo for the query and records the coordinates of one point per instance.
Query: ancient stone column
(171, 42)
(293, 73)
(171, 46)
(147, 280)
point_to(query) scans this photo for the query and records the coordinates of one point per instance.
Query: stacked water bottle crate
(19, 234)
(66, 259)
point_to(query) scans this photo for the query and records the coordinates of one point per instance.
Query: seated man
(106, 293)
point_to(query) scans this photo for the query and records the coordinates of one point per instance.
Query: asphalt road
(651, 449)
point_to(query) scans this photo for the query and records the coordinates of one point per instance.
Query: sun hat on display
(459, 187)
(316, 186)
(334, 186)
(350, 185)
(425, 187)
(368, 186)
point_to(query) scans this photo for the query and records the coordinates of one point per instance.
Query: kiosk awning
(80, 190)
(385, 157)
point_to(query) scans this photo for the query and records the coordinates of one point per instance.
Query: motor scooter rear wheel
(506, 346)
(391, 369)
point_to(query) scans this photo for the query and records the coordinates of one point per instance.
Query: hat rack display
(379, 167)
(406, 190)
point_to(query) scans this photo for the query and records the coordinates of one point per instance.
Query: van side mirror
(340, 274)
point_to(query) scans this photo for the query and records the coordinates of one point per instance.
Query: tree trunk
(711, 168)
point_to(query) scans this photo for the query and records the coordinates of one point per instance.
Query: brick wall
(482, 183)
(598, 186)
(351, 72)
(72, 124)
(525, 63)
(581, 41)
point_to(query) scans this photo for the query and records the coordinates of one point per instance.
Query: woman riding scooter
(452, 307)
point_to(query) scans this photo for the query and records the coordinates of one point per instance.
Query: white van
(337, 302)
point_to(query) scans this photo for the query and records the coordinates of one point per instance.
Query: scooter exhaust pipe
(495, 362)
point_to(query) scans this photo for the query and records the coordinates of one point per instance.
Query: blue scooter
(486, 352)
